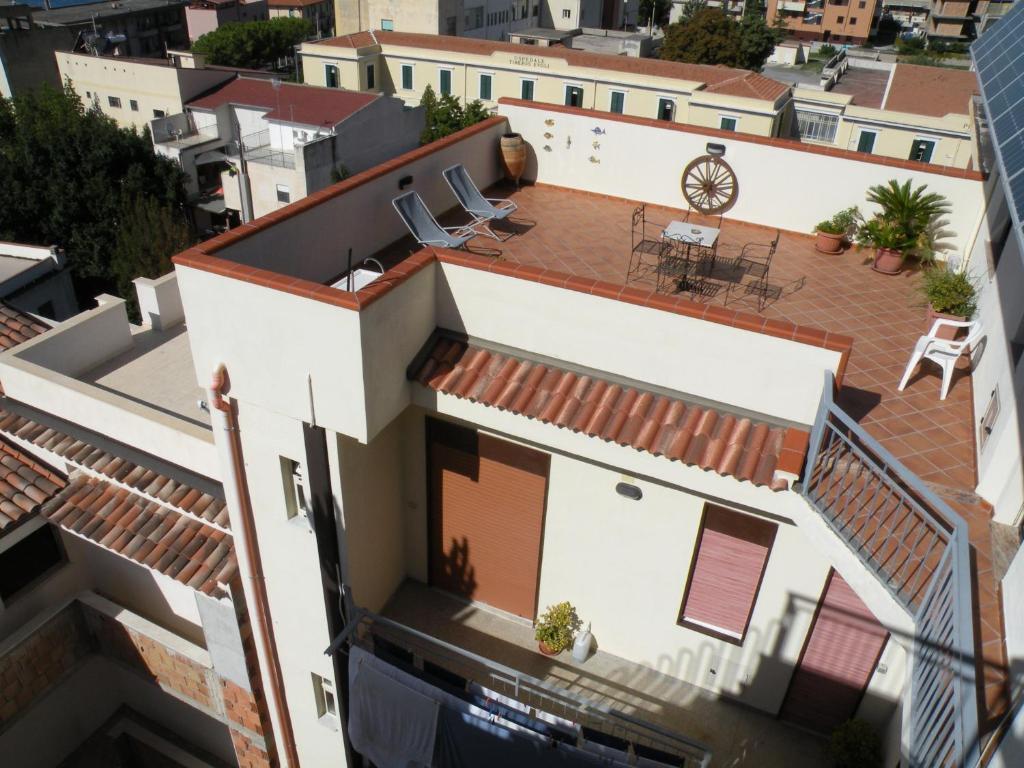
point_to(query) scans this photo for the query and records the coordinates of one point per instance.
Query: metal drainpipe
(222, 414)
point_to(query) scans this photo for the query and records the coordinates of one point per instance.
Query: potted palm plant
(832, 233)
(951, 296)
(904, 226)
(556, 628)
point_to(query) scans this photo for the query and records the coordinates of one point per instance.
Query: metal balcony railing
(258, 150)
(918, 548)
(542, 697)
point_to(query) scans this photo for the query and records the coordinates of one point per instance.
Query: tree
(711, 37)
(70, 177)
(691, 8)
(446, 115)
(253, 44)
(150, 233)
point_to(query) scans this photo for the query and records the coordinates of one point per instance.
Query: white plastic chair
(942, 351)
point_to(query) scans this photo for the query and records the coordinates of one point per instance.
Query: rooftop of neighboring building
(726, 80)
(931, 91)
(289, 102)
(86, 12)
(22, 264)
(866, 86)
(16, 327)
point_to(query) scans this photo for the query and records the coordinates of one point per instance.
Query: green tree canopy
(711, 37)
(70, 177)
(252, 44)
(446, 115)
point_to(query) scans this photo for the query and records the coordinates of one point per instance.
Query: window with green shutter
(485, 87)
(407, 77)
(618, 102)
(446, 82)
(527, 91)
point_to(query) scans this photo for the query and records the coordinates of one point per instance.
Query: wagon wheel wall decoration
(710, 185)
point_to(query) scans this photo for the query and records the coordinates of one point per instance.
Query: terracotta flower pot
(513, 156)
(888, 261)
(546, 649)
(945, 332)
(826, 242)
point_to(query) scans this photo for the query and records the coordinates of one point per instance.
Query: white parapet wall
(781, 184)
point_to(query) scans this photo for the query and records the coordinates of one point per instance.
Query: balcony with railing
(918, 548)
(259, 149)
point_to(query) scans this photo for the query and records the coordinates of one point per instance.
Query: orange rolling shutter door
(487, 524)
(731, 556)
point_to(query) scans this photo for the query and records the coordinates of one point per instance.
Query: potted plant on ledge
(951, 296)
(556, 628)
(905, 225)
(832, 233)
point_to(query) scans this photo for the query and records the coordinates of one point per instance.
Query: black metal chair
(755, 260)
(677, 264)
(643, 258)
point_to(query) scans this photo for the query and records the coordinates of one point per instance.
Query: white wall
(713, 361)
(778, 186)
(1001, 311)
(292, 578)
(1011, 751)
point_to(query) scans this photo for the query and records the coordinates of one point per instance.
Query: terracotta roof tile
(291, 102)
(24, 485)
(932, 91)
(151, 534)
(737, 82)
(144, 481)
(658, 424)
(17, 327)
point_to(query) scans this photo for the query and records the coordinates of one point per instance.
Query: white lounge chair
(942, 351)
(483, 209)
(424, 226)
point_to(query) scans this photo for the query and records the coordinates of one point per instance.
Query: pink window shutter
(732, 552)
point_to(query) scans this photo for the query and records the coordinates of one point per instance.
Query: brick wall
(153, 660)
(30, 668)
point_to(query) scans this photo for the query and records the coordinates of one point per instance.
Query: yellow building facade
(404, 64)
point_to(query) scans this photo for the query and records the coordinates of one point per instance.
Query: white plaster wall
(371, 505)
(1011, 751)
(704, 359)
(1000, 472)
(274, 362)
(778, 186)
(314, 244)
(624, 564)
(292, 577)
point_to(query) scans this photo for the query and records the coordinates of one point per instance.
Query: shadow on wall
(655, 689)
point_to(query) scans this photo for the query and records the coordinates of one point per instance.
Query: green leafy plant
(446, 115)
(854, 744)
(845, 223)
(710, 36)
(950, 291)
(827, 51)
(910, 216)
(880, 233)
(253, 44)
(557, 626)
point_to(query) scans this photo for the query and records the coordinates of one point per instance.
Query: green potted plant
(951, 296)
(906, 221)
(557, 627)
(889, 241)
(854, 744)
(831, 233)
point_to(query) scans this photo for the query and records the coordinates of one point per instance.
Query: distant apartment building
(912, 112)
(488, 19)
(135, 91)
(954, 21)
(26, 51)
(731, 7)
(320, 13)
(252, 146)
(404, 64)
(123, 27)
(845, 21)
(204, 16)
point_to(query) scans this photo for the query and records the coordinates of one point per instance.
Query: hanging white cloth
(390, 724)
